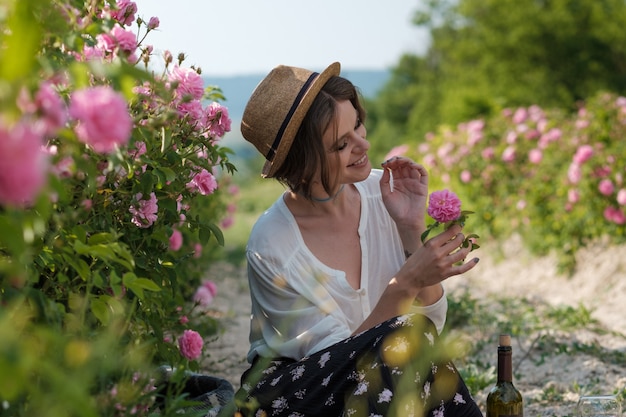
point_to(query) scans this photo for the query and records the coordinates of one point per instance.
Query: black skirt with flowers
(397, 368)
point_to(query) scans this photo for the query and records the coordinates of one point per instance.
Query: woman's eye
(341, 146)
(358, 123)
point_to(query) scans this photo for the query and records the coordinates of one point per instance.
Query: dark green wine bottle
(504, 400)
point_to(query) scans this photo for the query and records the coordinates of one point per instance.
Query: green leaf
(79, 265)
(206, 229)
(138, 285)
(100, 309)
(99, 238)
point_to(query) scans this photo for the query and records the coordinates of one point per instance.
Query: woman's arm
(406, 203)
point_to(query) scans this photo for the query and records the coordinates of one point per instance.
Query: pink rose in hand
(190, 344)
(444, 206)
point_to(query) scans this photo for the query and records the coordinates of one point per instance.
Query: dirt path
(549, 388)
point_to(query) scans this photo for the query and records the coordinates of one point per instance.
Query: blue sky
(236, 37)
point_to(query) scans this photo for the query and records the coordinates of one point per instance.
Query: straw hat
(276, 108)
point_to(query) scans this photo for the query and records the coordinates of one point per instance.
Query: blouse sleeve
(436, 312)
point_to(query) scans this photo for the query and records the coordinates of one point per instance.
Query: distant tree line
(489, 54)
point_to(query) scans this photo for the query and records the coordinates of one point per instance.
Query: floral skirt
(397, 368)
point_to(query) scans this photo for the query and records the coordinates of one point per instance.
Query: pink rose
(125, 13)
(205, 293)
(509, 154)
(189, 83)
(125, 40)
(583, 154)
(520, 116)
(535, 156)
(444, 206)
(23, 165)
(190, 344)
(621, 197)
(466, 176)
(197, 250)
(488, 153)
(103, 119)
(615, 215)
(606, 187)
(145, 212)
(51, 108)
(574, 173)
(153, 23)
(176, 240)
(396, 151)
(217, 120)
(204, 182)
(573, 196)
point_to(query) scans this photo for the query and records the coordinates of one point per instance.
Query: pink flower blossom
(606, 187)
(621, 197)
(466, 176)
(615, 215)
(573, 196)
(488, 153)
(520, 115)
(188, 83)
(227, 222)
(205, 293)
(444, 206)
(190, 344)
(87, 204)
(23, 165)
(509, 154)
(125, 12)
(535, 156)
(574, 173)
(125, 40)
(176, 240)
(153, 23)
(396, 151)
(140, 149)
(197, 250)
(51, 108)
(183, 319)
(583, 154)
(204, 182)
(145, 212)
(103, 119)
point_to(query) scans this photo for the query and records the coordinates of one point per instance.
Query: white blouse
(301, 306)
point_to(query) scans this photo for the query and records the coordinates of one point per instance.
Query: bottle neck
(505, 366)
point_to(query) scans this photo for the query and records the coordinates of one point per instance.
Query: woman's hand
(406, 202)
(438, 259)
(441, 257)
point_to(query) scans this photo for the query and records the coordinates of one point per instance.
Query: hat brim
(270, 167)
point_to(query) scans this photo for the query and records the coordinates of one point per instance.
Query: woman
(337, 263)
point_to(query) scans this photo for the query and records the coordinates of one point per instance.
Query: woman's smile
(360, 162)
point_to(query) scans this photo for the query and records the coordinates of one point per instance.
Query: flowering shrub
(554, 178)
(112, 189)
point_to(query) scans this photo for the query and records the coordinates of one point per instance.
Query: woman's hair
(308, 153)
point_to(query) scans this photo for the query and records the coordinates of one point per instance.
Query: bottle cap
(505, 340)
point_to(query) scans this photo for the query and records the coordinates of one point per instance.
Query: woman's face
(348, 154)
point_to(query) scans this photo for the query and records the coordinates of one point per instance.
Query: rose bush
(555, 178)
(112, 189)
